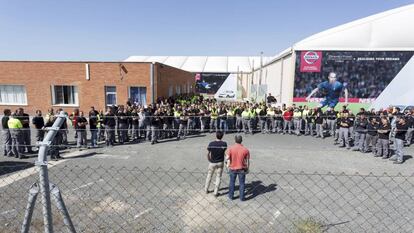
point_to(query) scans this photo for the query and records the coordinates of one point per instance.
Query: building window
(13, 95)
(65, 95)
(138, 95)
(110, 95)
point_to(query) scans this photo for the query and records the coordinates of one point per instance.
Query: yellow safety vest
(14, 123)
(98, 118)
(253, 113)
(214, 114)
(177, 114)
(246, 115)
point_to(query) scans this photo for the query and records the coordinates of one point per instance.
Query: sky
(103, 30)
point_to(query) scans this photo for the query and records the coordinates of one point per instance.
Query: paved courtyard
(158, 188)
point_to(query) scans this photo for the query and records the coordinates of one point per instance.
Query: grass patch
(308, 225)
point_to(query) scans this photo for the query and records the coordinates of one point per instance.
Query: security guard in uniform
(344, 130)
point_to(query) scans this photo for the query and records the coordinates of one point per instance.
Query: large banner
(364, 74)
(221, 85)
(209, 83)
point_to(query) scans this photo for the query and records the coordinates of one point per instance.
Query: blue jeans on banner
(242, 178)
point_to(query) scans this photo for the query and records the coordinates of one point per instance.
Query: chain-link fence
(122, 199)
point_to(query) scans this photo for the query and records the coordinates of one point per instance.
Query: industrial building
(40, 85)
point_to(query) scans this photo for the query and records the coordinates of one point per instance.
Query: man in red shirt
(287, 120)
(238, 162)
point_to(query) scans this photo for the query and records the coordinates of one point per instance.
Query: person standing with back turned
(238, 158)
(215, 156)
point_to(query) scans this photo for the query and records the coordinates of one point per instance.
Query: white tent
(206, 64)
(391, 30)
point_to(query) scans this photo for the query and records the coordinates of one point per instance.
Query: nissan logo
(311, 57)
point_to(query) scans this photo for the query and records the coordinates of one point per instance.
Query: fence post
(33, 192)
(62, 208)
(43, 172)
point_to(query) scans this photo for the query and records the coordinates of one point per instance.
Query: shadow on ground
(253, 189)
(13, 166)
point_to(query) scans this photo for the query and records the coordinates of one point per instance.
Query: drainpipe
(152, 82)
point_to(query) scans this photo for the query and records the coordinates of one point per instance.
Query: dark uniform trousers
(7, 142)
(110, 135)
(371, 143)
(239, 124)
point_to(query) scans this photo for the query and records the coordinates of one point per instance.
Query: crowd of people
(176, 118)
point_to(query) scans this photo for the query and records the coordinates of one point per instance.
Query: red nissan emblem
(311, 57)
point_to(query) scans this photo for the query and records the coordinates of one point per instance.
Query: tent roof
(389, 30)
(212, 64)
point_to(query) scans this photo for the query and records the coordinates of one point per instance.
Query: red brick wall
(168, 76)
(38, 77)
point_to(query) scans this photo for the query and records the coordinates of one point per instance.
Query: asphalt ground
(159, 188)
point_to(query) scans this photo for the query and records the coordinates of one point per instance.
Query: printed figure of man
(331, 90)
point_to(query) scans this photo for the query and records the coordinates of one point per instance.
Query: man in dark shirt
(216, 150)
(410, 124)
(26, 136)
(271, 99)
(344, 130)
(54, 148)
(383, 138)
(135, 124)
(39, 123)
(6, 133)
(372, 136)
(401, 129)
(109, 124)
(183, 130)
(239, 121)
(80, 128)
(155, 126)
(122, 125)
(93, 122)
(361, 126)
(222, 119)
(331, 121)
(319, 118)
